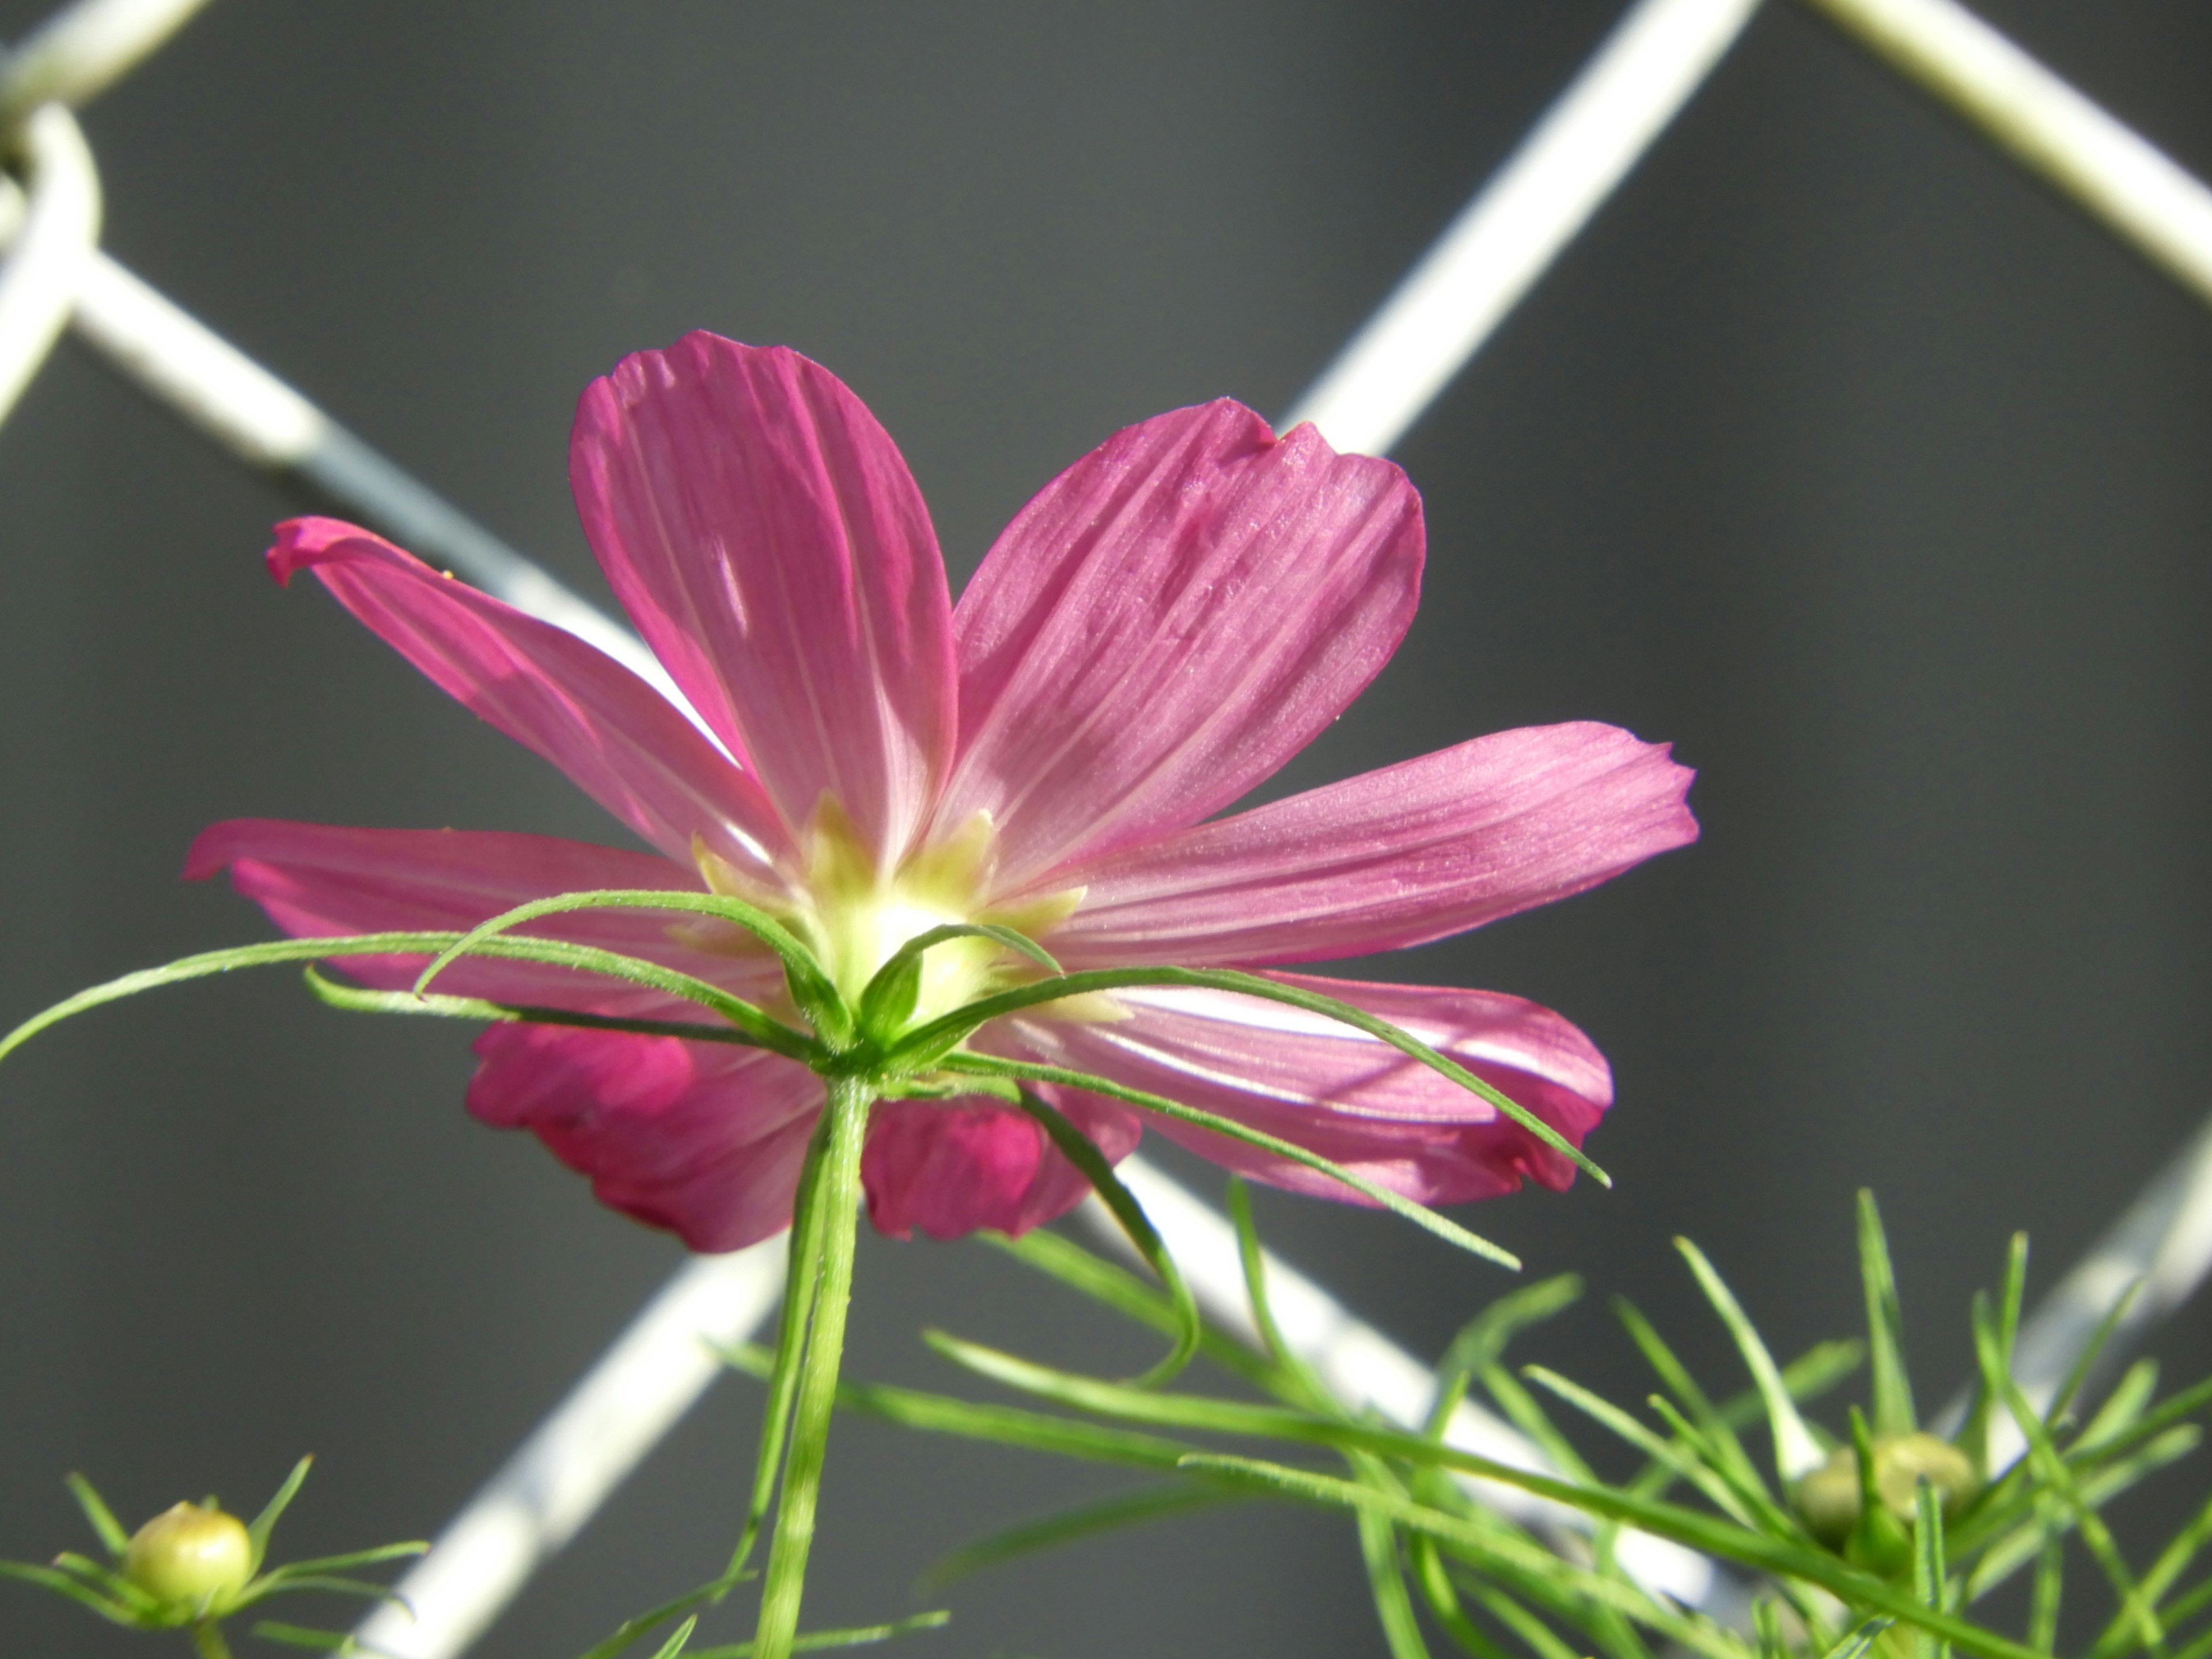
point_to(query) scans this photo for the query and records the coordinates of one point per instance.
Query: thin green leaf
(1766, 1625)
(858, 1636)
(675, 1644)
(1859, 1639)
(582, 958)
(1674, 1376)
(1068, 1526)
(928, 1043)
(2092, 1351)
(1974, 1437)
(1685, 1526)
(2051, 1468)
(105, 1526)
(284, 1582)
(2013, 1549)
(346, 1563)
(2122, 1408)
(1003, 1425)
(2049, 1580)
(2172, 1561)
(359, 1000)
(1293, 1380)
(1893, 1385)
(1078, 1149)
(1394, 1607)
(1795, 1452)
(258, 1529)
(1419, 1214)
(817, 995)
(63, 1584)
(302, 1636)
(1539, 1638)
(1443, 1596)
(1929, 1571)
(1682, 1463)
(630, 1630)
(1114, 1287)
(1482, 1341)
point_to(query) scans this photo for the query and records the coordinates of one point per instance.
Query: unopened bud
(1828, 1498)
(187, 1556)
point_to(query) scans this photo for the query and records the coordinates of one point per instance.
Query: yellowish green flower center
(855, 916)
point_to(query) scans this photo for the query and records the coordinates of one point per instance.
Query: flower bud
(1828, 1498)
(188, 1556)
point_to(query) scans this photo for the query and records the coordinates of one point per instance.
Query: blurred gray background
(1836, 453)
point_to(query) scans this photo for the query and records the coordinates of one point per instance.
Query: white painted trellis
(55, 278)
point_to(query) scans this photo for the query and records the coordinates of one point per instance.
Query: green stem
(207, 1640)
(836, 1197)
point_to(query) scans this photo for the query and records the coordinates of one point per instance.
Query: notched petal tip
(302, 544)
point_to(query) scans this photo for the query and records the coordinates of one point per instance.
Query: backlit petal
(950, 1167)
(1171, 620)
(1335, 1091)
(765, 535)
(316, 879)
(618, 739)
(1394, 857)
(701, 1138)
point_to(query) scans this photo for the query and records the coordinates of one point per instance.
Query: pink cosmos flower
(1165, 624)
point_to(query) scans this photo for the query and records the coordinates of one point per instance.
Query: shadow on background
(1836, 453)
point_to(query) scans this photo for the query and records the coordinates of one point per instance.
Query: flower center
(855, 917)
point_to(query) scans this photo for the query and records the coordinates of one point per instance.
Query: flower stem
(208, 1642)
(836, 1199)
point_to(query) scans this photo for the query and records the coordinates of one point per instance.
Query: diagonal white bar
(558, 1478)
(1507, 237)
(1369, 395)
(1369, 1373)
(2139, 191)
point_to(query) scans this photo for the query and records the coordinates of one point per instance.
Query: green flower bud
(1828, 1498)
(191, 1557)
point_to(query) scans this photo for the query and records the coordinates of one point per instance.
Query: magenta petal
(704, 1140)
(1392, 858)
(766, 537)
(315, 879)
(950, 1167)
(1346, 1096)
(618, 739)
(1171, 620)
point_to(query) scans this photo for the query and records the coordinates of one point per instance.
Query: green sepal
(1879, 1541)
(105, 1526)
(1893, 1386)
(888, 1000)
(258, 1528)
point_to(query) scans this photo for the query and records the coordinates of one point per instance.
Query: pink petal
(1395, 857)
(1171, 619)
(620, 741)
(704, 1140)
(766, 537)
(1344, 1095)
(315, 879)
(950, 1167)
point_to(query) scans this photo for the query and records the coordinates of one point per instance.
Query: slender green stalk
(836, 1198)
(207, 1641)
